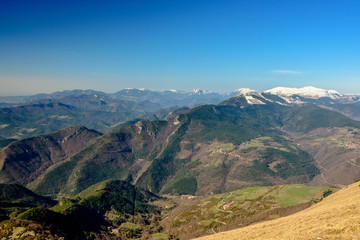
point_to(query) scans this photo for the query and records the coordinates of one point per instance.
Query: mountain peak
(244, 91)
(307, 92)
(199, 91)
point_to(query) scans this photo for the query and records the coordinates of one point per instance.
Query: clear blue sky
(47, 46)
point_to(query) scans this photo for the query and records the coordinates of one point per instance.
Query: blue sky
(47, 46)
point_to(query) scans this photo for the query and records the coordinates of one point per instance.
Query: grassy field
(215, 213)
(335, 217)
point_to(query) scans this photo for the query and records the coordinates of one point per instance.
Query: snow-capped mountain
(244, 91)
(291, 97)
(306, 92)
(240, 91)
(199, 91)
(310, 94)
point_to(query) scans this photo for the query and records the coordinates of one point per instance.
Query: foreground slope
(336, 217)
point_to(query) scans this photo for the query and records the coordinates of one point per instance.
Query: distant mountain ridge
(43, 118)
(309, 91)
(28, 116)
(169, 98)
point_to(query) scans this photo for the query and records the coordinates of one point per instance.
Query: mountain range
(168, 98)
(27, 116)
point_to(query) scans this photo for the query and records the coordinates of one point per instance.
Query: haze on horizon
(49, 46)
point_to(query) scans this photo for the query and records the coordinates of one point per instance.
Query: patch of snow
(3, 126)
(251, 100)
(266, 99)
(291, 100)
(139, 89)
(173, 91)
(176, 121)
(283, 104)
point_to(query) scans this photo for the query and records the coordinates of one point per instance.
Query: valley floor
(336, 217)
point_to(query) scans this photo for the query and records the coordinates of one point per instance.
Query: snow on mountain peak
(199, 91)
(306, 92)
(251, 100)
(244, 91)
(135, 89)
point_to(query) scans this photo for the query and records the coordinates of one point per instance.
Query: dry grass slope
(336, 217)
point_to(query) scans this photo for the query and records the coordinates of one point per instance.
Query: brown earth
(336, 152)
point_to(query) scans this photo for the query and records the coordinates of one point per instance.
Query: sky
(48, 46)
